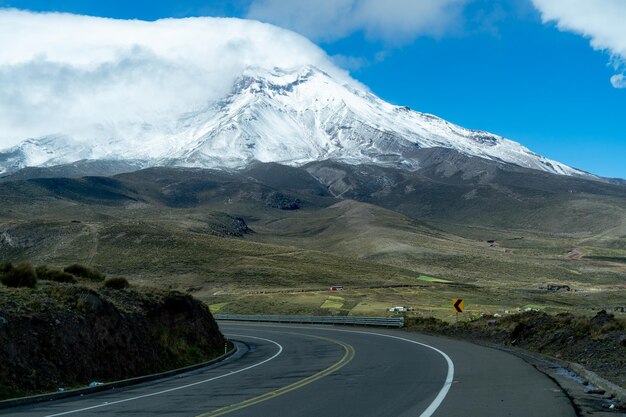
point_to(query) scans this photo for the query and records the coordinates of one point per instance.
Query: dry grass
(353, 244)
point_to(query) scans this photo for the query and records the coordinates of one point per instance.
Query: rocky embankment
(598, 343)
(66, 335)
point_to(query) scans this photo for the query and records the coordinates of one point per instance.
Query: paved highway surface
(313, 371)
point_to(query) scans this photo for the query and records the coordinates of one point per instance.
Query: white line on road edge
(449, 377)
(280, 350)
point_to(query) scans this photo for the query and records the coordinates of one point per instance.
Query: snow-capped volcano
(287, 116)
(203, 92)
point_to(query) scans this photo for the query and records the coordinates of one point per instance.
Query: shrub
(61, 276)
(117, 283)
(84, 272)
(5, 267)
(22, 275)
(45, 274)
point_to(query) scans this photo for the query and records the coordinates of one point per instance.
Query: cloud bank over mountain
(65, 73)
(393, 21)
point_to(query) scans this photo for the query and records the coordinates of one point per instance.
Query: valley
(271, 239)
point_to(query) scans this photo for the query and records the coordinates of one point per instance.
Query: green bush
(5, 267)
(84, 272)
(117, 283)
(45, 274)
(22, 275)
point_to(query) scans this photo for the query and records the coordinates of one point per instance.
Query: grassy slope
(176, 247)
(163, 229)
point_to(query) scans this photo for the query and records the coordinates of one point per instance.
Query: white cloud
(618, 81)
(602, 21)
(63, 72)
(393, 21)
(352, 63)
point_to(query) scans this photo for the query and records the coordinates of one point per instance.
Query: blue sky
(493, 65)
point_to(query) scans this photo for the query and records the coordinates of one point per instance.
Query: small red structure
(336, 288)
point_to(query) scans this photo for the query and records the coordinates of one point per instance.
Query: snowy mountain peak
(289, 116)
(277, 79)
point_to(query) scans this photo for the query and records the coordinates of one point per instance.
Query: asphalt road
(313, 371)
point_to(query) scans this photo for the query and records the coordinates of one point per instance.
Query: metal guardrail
(357, 321)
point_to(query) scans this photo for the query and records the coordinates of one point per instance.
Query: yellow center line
(347, 357)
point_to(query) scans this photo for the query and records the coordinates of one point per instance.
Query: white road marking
(449, 377)
(106, 404)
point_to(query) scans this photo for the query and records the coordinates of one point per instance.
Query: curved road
(312, 371)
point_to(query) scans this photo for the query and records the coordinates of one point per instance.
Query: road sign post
(458, 306)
